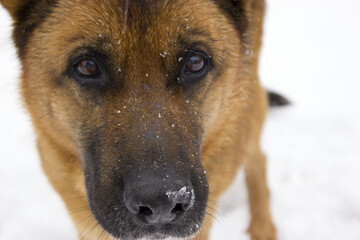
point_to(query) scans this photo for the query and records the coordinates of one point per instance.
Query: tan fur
(232, 114)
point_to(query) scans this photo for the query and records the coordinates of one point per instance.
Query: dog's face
(131, 90)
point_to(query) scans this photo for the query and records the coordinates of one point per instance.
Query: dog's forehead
(134, 22)
(137, 12)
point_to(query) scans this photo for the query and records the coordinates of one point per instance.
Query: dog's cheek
(75, 111)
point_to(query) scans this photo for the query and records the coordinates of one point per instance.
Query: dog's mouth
(158, 234)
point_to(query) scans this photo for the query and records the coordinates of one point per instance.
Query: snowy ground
(311, 53)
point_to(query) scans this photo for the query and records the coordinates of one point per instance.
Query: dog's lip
(162, 236)
(157, 232)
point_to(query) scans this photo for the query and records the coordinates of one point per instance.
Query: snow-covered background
(311, 54)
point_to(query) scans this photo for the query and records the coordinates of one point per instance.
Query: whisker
(78, 210)
(92, 229)
(103, 234)
(213, 217)
(74, 198)
(91, 221)
(76, 165)
(87, 218)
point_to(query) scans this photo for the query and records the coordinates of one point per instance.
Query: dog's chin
(164, 233)
(158, 237)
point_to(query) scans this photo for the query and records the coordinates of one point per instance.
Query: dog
(144, 109)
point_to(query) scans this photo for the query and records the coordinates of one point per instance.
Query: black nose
(158, 201)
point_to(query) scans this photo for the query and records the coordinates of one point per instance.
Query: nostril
(146, 215)
(178, 209)
(155, 204)
(146, 211)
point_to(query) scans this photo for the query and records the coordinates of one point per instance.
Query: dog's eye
(87, 68)
(195, 63)
(90, 72)
(195, 67)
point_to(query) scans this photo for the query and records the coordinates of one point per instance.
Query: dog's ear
(15, 7)
(27, 14)
(247, 16)
(243, 12)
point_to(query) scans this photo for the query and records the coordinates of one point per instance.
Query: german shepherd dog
(144, 109)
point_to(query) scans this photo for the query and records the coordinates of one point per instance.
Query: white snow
(311, 54)
(178, 193)
(183, 193)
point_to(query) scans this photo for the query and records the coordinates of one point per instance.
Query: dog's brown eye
(196, 66)
(90, 71)
(195, 63)
(87, 68)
